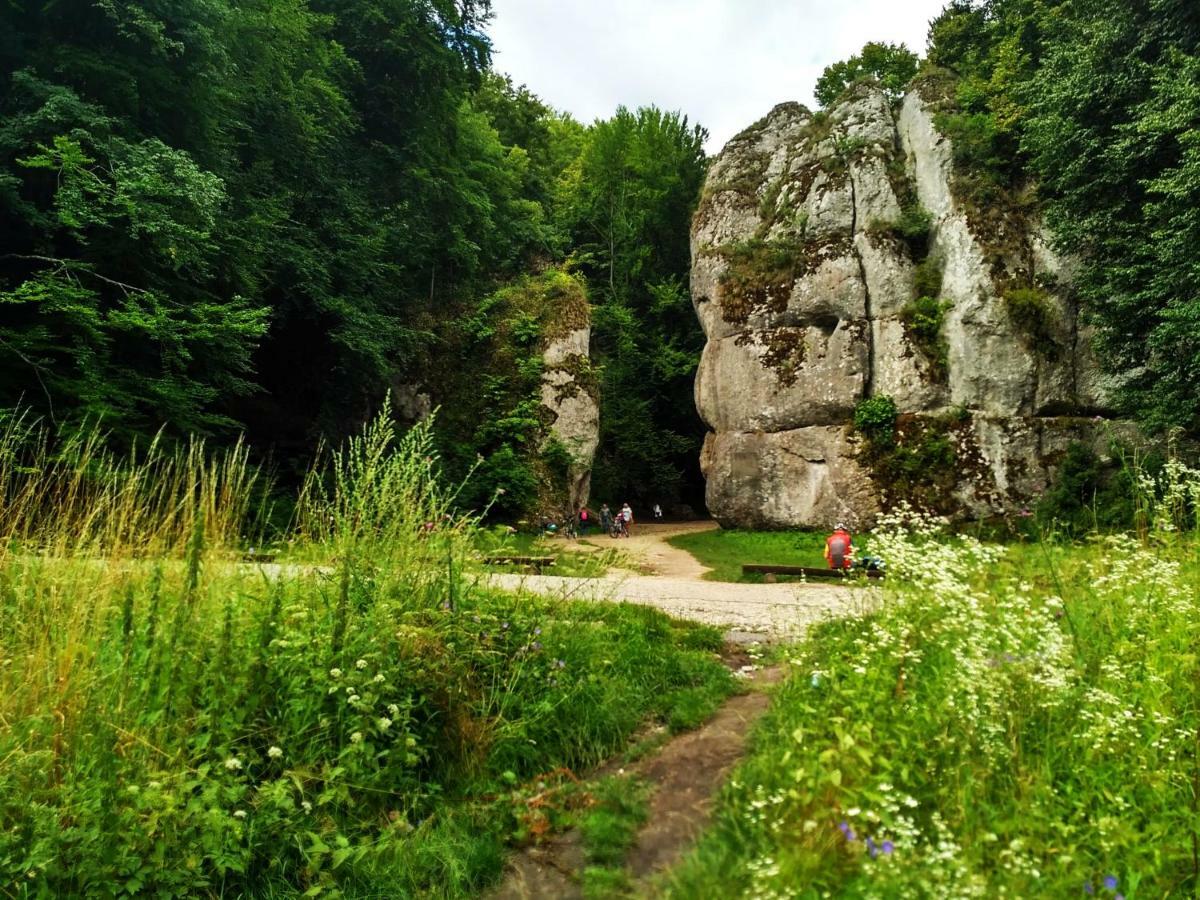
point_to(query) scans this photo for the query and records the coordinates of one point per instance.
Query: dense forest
(262, 217)
(259, 217)
(1097, 106)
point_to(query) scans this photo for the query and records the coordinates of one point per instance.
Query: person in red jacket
(839, 552)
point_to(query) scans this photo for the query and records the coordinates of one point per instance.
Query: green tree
(635, 189)
(892, 65)
(1113, 134)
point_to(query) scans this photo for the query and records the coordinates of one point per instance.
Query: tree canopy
(892, 65)
(261, 216)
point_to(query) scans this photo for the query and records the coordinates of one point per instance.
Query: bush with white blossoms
(1008, 722)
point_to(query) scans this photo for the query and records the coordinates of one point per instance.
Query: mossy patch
(920, 460)
(583, 376)
(784, 351)
(1031, 311)
(936, 87)
(761, 273)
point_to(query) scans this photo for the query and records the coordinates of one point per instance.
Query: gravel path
(747, 611)
(781, 610)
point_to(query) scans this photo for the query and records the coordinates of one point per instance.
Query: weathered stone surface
(806, 296)
(411, 402)
(761, 480)
(886, 271)
(903, 372)
(781, 378)
(874, 199)
(574, 412)
(1020, 454)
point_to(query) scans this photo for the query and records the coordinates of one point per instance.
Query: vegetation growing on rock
(1098, 104)
(916, 460)
(1031, 311)
(892, 66)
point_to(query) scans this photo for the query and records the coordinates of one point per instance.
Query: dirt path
(684, 775)
(778, 610)
(678, 588)
(648, 545)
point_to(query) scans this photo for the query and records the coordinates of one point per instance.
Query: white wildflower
(361, 664)
(233, 764)
(239, 814)
(275, 752)
(378, 679)
(356, 738)
(384, 723)
(335, 673)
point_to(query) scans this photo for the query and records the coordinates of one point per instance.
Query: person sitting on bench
(839, 552)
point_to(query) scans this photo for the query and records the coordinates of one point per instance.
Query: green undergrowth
(608, 831)
(569, 559)
(1019, 722)
(174, 723)
(913, 459)
(726, 550)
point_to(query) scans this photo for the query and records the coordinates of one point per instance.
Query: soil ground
(685, 774)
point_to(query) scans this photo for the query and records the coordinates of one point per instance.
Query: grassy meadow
(176, 722)
(725, 550)
(1017, 721)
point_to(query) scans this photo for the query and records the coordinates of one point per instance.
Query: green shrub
(913, 226)
(1030, 310)
(558, 459)
(927, 278)
(1087, 495)
(975, 142)
(923, 319)
(875, 418)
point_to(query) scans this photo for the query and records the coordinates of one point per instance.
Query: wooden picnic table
(536, 563)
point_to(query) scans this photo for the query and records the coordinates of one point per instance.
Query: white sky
(723, 63)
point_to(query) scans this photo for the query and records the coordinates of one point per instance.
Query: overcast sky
(724, 63)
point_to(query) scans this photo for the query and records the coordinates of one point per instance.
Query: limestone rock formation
(572, 407)
(836, 258)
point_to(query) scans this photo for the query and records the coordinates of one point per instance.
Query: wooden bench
(535, 563)
(807, 571)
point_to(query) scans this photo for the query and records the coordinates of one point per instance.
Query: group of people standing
(617, 525)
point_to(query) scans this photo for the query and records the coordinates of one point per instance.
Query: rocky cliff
(569, 401)
(517, 399)
(840, 256)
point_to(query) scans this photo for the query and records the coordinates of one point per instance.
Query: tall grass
(178, 723)
(67, 495)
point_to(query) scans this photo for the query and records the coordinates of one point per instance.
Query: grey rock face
(805, 289)
(574, 412)
(766, 480)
